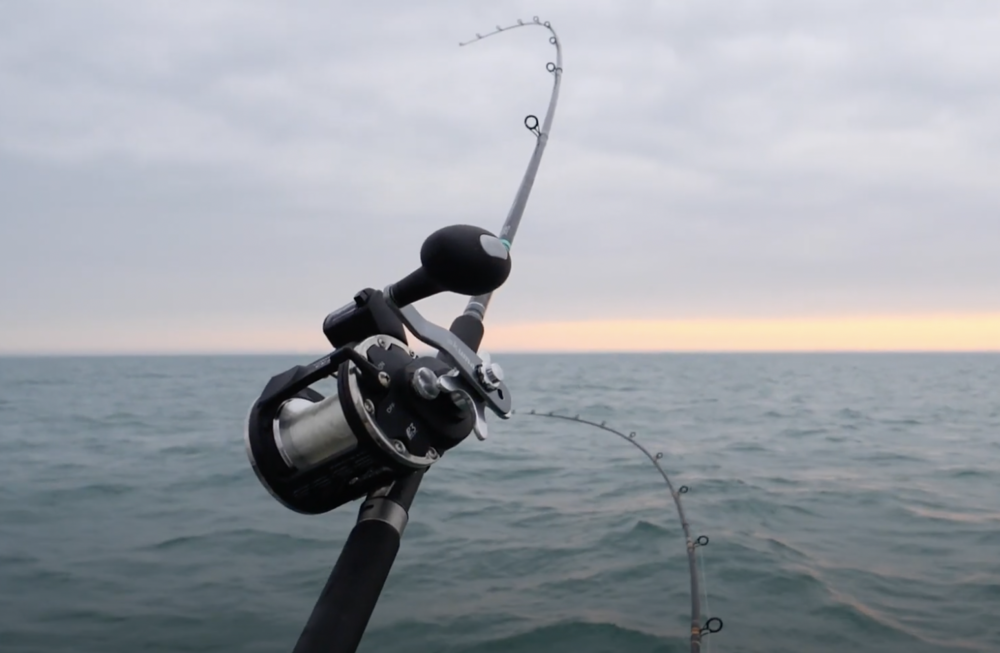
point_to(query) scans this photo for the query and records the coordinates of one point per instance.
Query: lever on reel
(394, 412)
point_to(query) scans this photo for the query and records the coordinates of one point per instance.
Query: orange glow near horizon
(930, 333)
(910, 333)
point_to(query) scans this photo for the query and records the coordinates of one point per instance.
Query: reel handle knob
(461, 259)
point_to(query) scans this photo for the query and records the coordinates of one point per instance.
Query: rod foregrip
(346, 604)
(341, 615)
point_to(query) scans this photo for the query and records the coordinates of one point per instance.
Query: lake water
(852, 501)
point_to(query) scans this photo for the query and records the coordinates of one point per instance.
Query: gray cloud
(256, 162)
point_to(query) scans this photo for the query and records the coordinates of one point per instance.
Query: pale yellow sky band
(902, 333)
(925, 333)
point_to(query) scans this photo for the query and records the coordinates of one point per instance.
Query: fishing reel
(394, 412)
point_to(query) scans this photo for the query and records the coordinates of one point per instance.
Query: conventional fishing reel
(394, 412)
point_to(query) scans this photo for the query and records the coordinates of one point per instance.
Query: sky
(216, 176)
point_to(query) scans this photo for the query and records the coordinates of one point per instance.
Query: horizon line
(500, 352)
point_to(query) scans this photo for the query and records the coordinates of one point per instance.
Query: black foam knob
(462, 259)
(466, 260)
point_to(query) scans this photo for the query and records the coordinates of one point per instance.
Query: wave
(643, 526)
(532, 472)
(783, 481)
(640, 532)
(248, 539)
(953, 516)
(867, 621)
(746, 447)
(578, 636)
(519, 631)
(781, 547)
(892, 456)
(803, 433)
(970, 472)
(984, 586)
(901, 422)
(199, 449)
(91, 490)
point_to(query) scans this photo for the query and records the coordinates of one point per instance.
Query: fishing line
(704, 588)
(698, 630)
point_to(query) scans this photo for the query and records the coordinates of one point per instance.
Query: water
(852, 501)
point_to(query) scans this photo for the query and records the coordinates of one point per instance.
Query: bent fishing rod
(394, 412)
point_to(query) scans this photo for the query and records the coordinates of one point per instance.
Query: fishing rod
(394, 412)
(476, 308)
(713, 624)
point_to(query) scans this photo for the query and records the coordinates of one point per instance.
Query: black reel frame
(394, 434)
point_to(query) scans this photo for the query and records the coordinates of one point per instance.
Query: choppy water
(853, 503)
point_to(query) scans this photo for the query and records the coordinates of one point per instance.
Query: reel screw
(383, 378)
(369, 406)
(382, 342)
(460, 399)
(490, 374)
(432, 453)
(399, 446)
(425, 383)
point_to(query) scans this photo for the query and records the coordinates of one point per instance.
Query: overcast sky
(196, 174)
